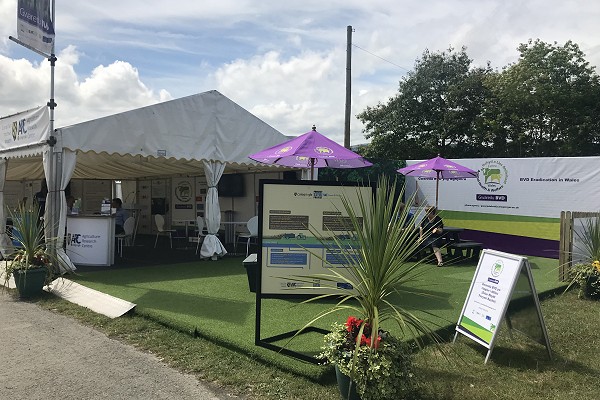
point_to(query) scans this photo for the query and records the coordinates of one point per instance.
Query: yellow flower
(596, 264)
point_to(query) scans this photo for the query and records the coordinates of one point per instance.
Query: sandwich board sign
(502, 287)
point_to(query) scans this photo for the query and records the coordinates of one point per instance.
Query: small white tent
(206, 133)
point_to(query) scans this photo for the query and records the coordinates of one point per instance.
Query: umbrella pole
(437, 187)
(312, 169)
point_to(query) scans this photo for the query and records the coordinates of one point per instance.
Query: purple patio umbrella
(311, 150)
(437, 168)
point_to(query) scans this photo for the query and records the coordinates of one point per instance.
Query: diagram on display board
(502, 288)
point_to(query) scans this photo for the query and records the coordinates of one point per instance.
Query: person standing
(40, 199)
(431, 232)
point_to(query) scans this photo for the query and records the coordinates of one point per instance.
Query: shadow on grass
(220, 309)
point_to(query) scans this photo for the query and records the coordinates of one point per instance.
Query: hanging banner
(35, 26)
(27, 128)
(536, 187)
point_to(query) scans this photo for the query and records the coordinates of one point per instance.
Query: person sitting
(120, 215)
(431, 232)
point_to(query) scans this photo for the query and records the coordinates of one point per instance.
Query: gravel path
(44, 355)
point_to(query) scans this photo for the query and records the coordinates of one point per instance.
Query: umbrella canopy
(438, 168)
(309, 151)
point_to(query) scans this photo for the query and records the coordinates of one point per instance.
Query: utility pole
(348, 86)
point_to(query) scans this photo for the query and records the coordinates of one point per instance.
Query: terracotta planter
(30, 282)
(346, 386)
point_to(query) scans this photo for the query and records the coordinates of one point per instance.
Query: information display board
(298, 223)
(492, 291)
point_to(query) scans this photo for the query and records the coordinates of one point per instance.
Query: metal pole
(348, 86)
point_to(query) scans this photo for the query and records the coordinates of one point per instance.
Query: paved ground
(44, 355)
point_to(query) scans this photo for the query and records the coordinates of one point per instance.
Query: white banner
(538, 187)
(35, 26)
(183, 200)
(26, 128)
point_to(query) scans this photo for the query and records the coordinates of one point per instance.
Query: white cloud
(283, 61)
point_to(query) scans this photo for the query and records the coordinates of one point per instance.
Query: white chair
(201, 234)
(160, 229)
(126, 236)
(252, 226)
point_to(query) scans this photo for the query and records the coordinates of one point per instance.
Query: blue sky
(284, 61)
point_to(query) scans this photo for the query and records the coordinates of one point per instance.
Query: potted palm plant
(31, 264)
(586, 274)
(377, 268)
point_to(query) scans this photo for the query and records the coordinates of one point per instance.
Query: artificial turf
(212, 299)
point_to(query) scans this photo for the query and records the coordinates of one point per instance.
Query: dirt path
(44, 355)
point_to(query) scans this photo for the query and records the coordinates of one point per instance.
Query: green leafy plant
(586, 275)
(375, 269)
(32, 249)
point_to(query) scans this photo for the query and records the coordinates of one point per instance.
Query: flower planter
(346, 386)
(590, 290)
(30, 282)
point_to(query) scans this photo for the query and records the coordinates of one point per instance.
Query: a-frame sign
(502, 287)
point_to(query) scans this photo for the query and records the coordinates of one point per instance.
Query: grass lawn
(518, 368)
(211, 299)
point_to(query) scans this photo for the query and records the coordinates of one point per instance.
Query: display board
(297, 225)
(298, 222)
(492, 291)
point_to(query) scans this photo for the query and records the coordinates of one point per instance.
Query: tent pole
(312, 169)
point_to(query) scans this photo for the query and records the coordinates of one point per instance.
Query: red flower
(353, 325)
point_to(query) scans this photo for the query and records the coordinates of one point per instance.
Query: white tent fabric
(172, 138)
(5, 242)
(212, 246)
(69, 160)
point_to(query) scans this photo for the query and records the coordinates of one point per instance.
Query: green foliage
(381, 373)
(545, 104)
(435, 111)
(586, 275)
(32, 249)
(374, 270)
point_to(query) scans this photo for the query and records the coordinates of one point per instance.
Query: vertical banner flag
(35, 26)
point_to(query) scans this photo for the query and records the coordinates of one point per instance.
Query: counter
(91, 239)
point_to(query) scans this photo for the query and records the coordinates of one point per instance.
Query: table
(187, 223)
(452, 234)
(229, 227)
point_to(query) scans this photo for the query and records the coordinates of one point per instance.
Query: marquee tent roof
(164, 139)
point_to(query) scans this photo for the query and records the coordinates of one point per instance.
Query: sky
(284, 61)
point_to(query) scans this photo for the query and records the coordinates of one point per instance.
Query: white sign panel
(537, 187)
(290, 249)
(183, 199)
(25, 128)
(489, 295)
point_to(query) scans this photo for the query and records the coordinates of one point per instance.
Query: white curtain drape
(69, 160)
(212, 246)
(5, 242)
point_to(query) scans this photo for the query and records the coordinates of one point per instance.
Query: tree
(436, 110)
(547, 103)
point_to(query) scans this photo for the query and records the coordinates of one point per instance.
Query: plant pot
(346, 386)
(590, 290)
(30, 282)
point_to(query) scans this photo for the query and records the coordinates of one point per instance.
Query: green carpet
(212, 299)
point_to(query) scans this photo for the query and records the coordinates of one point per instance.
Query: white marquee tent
(203, 134)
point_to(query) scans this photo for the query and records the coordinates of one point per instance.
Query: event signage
(535, 187)
(492, 290)
(300, 224)
(26, 128)
(301, 228)
(35, 27)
